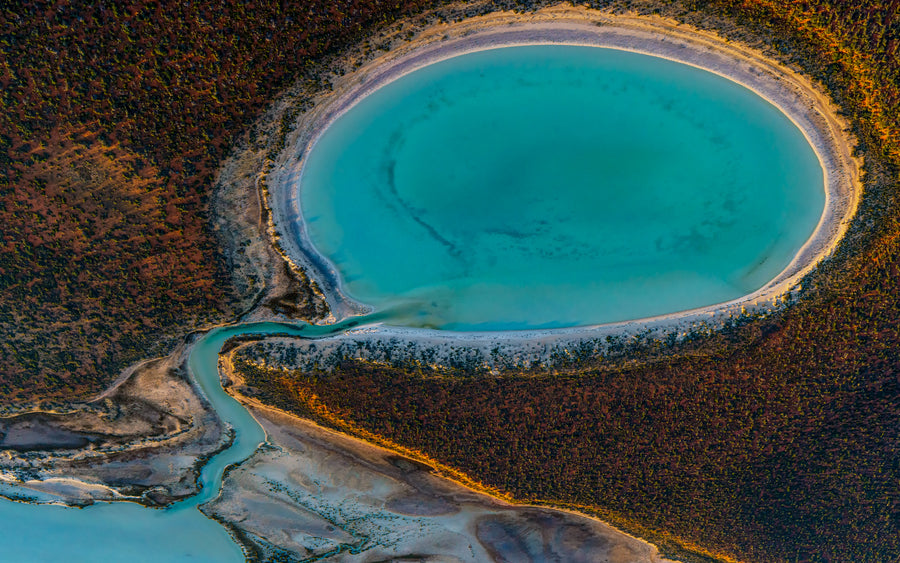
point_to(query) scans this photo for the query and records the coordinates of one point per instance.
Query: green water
(549, 186)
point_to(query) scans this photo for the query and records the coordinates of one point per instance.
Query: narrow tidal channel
(123, 531)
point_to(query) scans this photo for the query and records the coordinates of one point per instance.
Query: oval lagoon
(554, 185)
(511, 188)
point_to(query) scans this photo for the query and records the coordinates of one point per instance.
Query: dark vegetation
(759, 451)
(114, 117)
(776, 441)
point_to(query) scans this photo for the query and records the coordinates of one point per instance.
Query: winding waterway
(125, 531)
(451, 255)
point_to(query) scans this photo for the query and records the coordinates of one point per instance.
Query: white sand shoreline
(793, 94)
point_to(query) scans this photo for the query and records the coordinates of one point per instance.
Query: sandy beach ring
(795, 95)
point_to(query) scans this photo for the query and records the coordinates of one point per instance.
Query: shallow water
(130, 532)
(538, 186)
(549, 186)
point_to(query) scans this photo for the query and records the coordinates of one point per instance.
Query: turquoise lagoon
(550, 186)
(513, 188)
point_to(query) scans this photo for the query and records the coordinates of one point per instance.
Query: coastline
(537, 344)
(144, 440)
(371, 480)
(794, 95)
